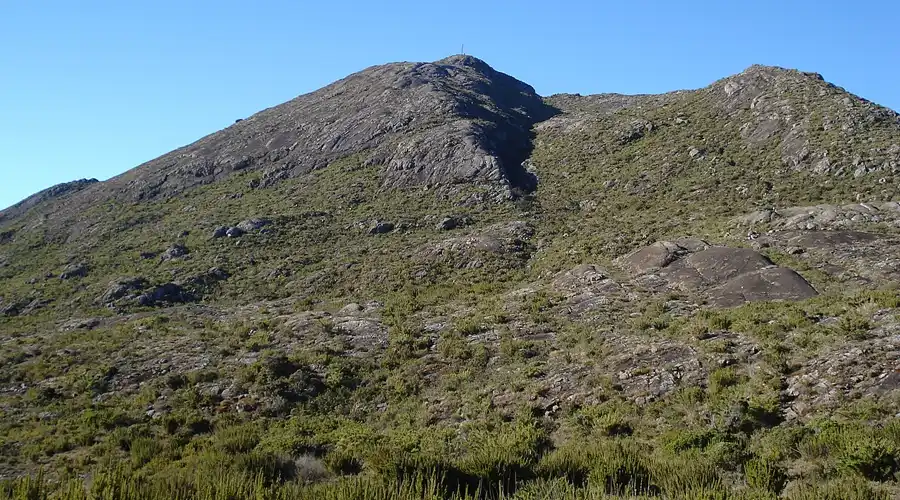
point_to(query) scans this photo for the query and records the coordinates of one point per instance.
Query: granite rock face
(454, 120)
(726, 276)
(823, 217)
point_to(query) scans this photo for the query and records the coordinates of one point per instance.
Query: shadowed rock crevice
(511, 135)
(515, 157)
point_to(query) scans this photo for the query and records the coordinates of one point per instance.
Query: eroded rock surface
(854, 244)
(727, 276)
(850, 370)
(771, 283)
(824, 217)
(454, 120)
(587, 287)
(506, 241)
(358, 327)
(74, 271)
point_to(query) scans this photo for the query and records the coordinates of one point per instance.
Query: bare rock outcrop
(661, 254)
(54, 192)
(586, 288)
(454, 120)
(726, 276)
(508, 242)
(823, 217)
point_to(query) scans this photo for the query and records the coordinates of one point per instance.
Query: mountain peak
(465, 60)
(421, 123)
(774, 71)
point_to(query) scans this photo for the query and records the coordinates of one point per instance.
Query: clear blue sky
(91, 89)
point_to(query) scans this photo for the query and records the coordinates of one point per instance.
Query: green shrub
(469, 326)
(609, 466)
(721, 379)
(764, 475)
(504, 455)
(236, 439)
(687, 475)
(845, 488)
(686, 439)
(854, 326)
(453, 346)
(603, 421)
(873, 458)
(143, 450)
(620, 470)
(719, 321)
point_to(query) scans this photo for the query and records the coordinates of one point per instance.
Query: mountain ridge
(453, 287)
(146, 188)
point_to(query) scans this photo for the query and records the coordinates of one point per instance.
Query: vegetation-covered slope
(393, 319)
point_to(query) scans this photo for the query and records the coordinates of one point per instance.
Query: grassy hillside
(359, 341)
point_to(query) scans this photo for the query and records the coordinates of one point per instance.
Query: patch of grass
(721, 379)
(855, 326)
(764, 475)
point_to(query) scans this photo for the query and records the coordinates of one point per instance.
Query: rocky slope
(454, 120)
(422, 255)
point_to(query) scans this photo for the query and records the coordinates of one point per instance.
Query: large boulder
(167, 293)
(653, 257)
(74, 271)
(453, 222)
(772, 283)
(381, 227)
(713, 266)
(205, 282)
(661, 254)
(136, 290)
(122, 288)
(234, 232)
(175, 251)
(726, 276)
(255, 224)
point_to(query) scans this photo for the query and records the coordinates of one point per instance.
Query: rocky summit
(427, 281)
